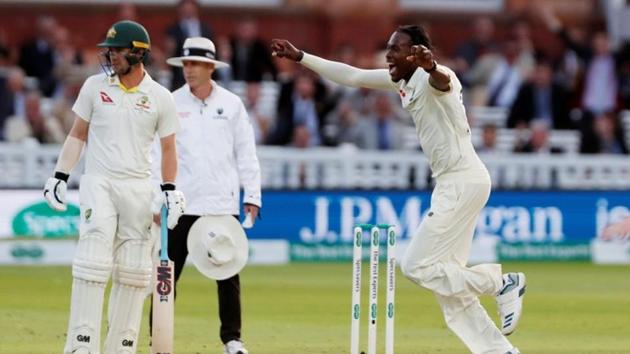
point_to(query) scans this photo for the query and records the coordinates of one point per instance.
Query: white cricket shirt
(123, 123)
(441, 123)
(216, 152)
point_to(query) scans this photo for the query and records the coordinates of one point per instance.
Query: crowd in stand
(583, 90)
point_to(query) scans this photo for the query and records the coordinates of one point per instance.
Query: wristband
(167, 186)
(62, 176)
(300, 56)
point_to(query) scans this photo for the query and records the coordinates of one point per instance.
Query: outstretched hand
(282, 48)
(620, 229)
(421, 56)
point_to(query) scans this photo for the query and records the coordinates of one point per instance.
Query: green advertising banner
(39, 220)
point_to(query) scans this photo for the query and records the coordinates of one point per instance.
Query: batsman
(118, 114)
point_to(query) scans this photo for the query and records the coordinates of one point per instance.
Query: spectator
(12, 95)
(488, 139)
(261, 117)
(600, 90)
(608, 136)
(34, 124)
(521, 31)
(343, 124)
(5, 54)
(539, 140)
(251, 59)
(62, 108)
(127, 11)
(496, 77)
(37, 57)
(68, 59)
(385, 126)
(188, 25)
(224, 53)
(541, 99)
(624, 75)
(482, 42)
(507, 76)
(301, 102)
(362, 100)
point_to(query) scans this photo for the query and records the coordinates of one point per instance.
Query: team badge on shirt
(143, 103)
(219, 114)
(105, 98)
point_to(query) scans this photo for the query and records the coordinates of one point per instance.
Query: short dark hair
(417, 34)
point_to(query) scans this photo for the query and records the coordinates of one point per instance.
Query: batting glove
(174, 201)
(55, 191)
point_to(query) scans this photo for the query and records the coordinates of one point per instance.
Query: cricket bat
(163, 296)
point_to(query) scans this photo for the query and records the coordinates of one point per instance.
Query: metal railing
(28, 166)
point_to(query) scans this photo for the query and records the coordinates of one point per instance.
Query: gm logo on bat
(164, 286)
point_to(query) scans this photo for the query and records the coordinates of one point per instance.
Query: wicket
(375, 233)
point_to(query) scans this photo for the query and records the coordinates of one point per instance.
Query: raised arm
(340, 73)
(423, 57)
(554, 25)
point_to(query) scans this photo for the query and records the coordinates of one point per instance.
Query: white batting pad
(91, 269)
(131, 277)
(86, 308)
(125, 318)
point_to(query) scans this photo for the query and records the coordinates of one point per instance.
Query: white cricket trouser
(437, 255)
(114, 240)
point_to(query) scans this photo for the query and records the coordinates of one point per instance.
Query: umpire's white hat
(198, 49)
(218, 246)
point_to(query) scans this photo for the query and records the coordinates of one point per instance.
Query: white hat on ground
(198, 49)
(218, 246)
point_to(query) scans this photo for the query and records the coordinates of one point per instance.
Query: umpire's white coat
(216, 153)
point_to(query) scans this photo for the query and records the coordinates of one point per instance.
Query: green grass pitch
(305, 308)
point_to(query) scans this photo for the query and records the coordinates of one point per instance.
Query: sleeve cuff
(252, 199)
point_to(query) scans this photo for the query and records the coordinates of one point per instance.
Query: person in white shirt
(216, 150)
(438, 252)
(118, 114)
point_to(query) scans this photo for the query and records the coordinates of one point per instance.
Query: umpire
(216, 152)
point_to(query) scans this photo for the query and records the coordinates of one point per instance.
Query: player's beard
(122, 68)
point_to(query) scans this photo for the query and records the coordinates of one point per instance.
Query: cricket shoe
(234, 347)
(510, 301)
(513, 351)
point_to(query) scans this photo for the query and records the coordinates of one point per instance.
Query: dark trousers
(229, 290)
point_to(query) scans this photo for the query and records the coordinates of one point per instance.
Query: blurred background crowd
(529, 73)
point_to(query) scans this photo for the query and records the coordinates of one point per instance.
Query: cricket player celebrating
(438, 252)
(118, 115)
(217, 152)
